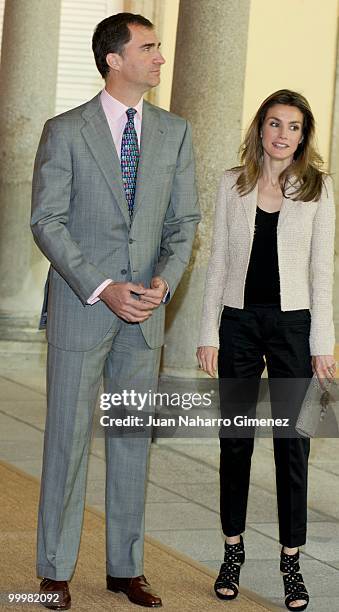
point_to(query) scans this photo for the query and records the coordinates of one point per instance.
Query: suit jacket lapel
(288, 204)
(285, 208)
(249, 202)
(99, 139)
(151, 141)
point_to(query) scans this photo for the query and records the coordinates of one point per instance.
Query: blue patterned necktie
(129, 159)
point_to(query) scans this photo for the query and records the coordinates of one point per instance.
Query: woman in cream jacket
(268, 301)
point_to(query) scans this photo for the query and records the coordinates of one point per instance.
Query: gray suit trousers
(74, 378)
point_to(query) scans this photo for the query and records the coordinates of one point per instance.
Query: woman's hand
(324, 366)
(208, 359)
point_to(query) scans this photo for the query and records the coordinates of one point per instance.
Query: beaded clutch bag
(318, 402)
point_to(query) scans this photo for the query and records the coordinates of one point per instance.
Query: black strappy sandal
(293, 581)
(230, 570)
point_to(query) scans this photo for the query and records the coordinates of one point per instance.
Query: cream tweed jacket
(305, 239)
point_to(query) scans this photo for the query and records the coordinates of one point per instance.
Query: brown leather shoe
(138, 590)
(57, 594)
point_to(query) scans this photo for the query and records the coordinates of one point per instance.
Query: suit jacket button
(131, 241)
(124, 271)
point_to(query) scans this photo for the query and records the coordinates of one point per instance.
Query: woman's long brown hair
(303, 178)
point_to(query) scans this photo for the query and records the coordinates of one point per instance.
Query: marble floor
(182, 496)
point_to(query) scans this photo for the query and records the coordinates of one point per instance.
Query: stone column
(28, 82)
(334, 166)
(208, 86)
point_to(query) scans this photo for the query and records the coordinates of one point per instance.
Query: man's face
(141, 60)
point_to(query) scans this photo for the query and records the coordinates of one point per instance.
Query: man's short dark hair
(112, 34)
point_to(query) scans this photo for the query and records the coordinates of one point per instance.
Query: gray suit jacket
(80, 218)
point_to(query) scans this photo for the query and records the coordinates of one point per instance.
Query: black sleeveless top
(262, 284)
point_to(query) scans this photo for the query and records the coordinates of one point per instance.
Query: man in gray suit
(114, 209)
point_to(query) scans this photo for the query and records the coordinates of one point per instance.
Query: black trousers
(249, 339)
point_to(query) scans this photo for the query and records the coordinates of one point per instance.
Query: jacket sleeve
(321, 273)
(181, 219)
(216, 273)
(51, 198)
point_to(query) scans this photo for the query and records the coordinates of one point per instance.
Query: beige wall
(292, 44)
(170, 10)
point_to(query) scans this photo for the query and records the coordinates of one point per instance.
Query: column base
(20, 331)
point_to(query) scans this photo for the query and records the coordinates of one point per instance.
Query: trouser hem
(293, 541)
(45, 571)
(233, 532)
(127, 571)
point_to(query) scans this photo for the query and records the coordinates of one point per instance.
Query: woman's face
(282, 131)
